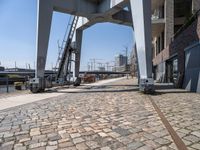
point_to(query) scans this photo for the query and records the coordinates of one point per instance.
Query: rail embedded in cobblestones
(177, 140)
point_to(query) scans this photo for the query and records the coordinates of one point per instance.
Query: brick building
(176, 42)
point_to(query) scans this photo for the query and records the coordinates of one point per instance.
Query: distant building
(121, 63)
(133, 63)
(120, 60)
(102, 69)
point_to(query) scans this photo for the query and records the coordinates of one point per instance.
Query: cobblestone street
(112, 116)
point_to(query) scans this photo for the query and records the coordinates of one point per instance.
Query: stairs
(63, 65)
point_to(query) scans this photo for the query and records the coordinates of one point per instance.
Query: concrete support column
(169, 21)
(45, 11)
(141, 14)
(79, 34)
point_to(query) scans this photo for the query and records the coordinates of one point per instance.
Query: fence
(7, 84)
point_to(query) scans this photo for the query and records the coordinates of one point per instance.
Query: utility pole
(15, 66)
(52, 66)
(34, 65)
(93, 60)
(126, 54)
(107, 65)
(88, 66)
(126, 67)
(91, 68)
(100, 65)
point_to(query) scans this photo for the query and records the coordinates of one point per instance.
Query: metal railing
(61, 47)
(7, 84)
(65, 56)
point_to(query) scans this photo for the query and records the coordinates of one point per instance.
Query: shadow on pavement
(169, 92)
(95, 91)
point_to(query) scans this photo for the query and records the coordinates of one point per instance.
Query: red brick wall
(182, 41)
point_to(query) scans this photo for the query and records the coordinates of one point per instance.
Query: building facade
(120, 60)
(175, 27)
(121, 63)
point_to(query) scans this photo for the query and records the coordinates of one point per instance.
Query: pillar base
(147, 86)
(37, 85)
(77, 81)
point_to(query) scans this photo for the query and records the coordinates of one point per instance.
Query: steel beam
(141, 14)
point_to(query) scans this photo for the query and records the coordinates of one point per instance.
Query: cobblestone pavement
(182, 110)
(104, 117)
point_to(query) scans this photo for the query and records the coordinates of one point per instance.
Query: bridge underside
(134, 13)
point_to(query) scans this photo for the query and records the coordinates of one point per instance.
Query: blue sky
(18, 36)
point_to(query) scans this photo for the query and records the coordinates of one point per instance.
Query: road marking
(177, 140)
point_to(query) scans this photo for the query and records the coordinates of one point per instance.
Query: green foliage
(14, 76)
(18, 83)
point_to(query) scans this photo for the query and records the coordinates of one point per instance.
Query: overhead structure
(134, 13)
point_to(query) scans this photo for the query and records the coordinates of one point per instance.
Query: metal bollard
(7, 84)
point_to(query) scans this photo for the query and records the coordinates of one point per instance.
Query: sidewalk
(17, 100)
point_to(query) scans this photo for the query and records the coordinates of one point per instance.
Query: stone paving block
(37, 145)
(107, 130)
(145, 147)
(75, 135)
(63, 140)
(196, 146)
(20, 148)
(102, 134)
(113, 134)
(191, 138)
(162, 141)
(78, 140)
(196, 133)
(35, 131)
(65, 144)
(24, 140)
(40, 138)
(152, 144)
(106, 148)
(51, 147)
(51, 143)
(92, 144)
(122, 132)
(81, 146)
(134, 145)
(53, 137)
(125, 140)
(7, 134)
